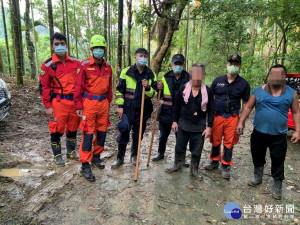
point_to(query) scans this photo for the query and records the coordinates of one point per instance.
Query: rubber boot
(161, 152)
(98, 162)
(56, 148)
(71, 152)
(195, 167)
(134, 149)
(120, 158)
(277, 189)
(212, 165)
(179, 157)
(185, 163)
(257, 178)
(225, 172)
(86, 171)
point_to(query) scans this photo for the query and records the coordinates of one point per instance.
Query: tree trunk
(76, 37)
(105, 19)
(186, 39)
(1, 64)
(120, 31)
(50, 18)
(109, 29)
(6, 39)
(63, 17)
(124, 55)
(149, 35)
(251, 46)
(142, 37)
(29, 44)
(200, 37)
(67, 27)
(34, 38)
(129, 25)
(166, 28)
(17, 41)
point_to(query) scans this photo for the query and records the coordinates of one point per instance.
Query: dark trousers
(123, 137)
(164, 132)
(277, 145)
(196, 144)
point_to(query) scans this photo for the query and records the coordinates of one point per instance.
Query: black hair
(142, 51)
(278, 66)
(58, 36)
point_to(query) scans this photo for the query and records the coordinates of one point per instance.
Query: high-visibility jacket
(126, 96)
(165, 113)
(93, 81)
(58, 77)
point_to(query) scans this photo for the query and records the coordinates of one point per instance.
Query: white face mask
(232, 69)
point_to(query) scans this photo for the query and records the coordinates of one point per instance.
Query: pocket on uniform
(53, 126)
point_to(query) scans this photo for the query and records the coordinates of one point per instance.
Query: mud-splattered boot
(212, 165)
(86, 171)
(179, 157)
(56, 148)
(120, 158)
(71, 152)
(194, 168)
(185, 163)
(225, 172)
(277, 189)
(161, 152)
(98, 162)
(257, 178)
(134, 149)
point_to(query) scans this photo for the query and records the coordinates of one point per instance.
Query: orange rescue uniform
(93, 95)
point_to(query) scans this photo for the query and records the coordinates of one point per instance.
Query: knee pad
(101, 135)
(87, 142)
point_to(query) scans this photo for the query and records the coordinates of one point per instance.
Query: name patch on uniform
(220, 84)
(90, 68)
(42, 73)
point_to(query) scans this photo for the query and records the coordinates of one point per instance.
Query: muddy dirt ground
(46, 194)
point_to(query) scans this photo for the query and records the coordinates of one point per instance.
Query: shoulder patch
(85, 62)
(49, 59)
(48, 63)
(42, 72)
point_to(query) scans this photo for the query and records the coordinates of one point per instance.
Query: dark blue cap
(123, 125)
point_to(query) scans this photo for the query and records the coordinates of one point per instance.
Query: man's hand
(145, 83)
(207, 133)
(49, 112)
(175, 127)
(239, 128)
(295, 138)
(160, 86)
(120, 112)
(79, 112)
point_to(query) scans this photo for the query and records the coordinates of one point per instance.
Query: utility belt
(58, 97)
(225, 115)
(95, 97)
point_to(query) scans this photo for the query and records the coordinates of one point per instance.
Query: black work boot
(257, 178)
(56, 148)
(185, 163)
(98, 162)
(277, 189)
(120, 157)
(161, 152)
(71, 152)
(134, 149)
(86, 171)
(225, 172)
(179, 157)
(212, 165)
(194, 168)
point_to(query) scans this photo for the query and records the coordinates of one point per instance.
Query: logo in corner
(232, 210)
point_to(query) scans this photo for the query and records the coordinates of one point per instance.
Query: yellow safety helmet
(98, 41)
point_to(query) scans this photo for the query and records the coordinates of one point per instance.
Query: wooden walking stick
(154, 126)
(140, 137)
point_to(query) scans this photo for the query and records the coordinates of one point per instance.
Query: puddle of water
(13, 172)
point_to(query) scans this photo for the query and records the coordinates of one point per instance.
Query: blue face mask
(60, 49)
(142, 61)
(177, 69)
(98, 53)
